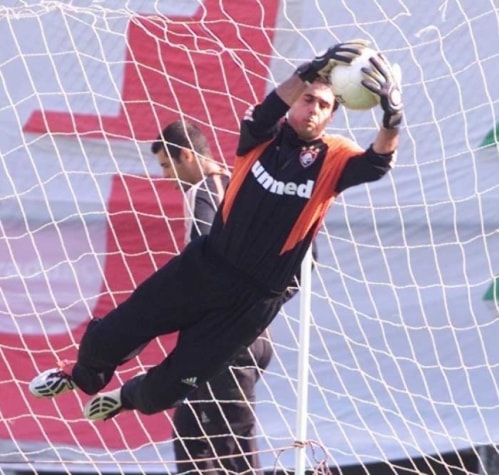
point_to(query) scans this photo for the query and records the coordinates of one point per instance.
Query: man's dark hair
(181, 134)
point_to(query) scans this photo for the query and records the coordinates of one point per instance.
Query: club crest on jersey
(308, 155)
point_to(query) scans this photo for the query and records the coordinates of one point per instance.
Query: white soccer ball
(346, 83)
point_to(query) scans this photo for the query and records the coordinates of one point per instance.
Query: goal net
(403, 358)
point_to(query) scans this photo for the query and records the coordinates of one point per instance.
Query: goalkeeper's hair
(181, 134)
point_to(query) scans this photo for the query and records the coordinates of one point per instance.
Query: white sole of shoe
(50, 383)
(103, 406)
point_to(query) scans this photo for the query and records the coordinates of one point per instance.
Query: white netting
(403, 357)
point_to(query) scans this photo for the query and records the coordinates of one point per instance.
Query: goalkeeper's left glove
(384, 81)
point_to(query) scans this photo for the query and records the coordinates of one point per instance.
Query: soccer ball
(346, 83)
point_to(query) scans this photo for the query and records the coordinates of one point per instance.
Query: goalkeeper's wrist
(391, 121)
(307, 73)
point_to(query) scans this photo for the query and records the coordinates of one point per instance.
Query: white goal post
(401, 356)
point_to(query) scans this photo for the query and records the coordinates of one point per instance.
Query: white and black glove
(321, 66)
(384, 80)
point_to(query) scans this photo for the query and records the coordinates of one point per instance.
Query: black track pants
(215, 310)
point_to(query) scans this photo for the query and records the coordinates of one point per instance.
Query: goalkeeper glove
(321, 66)
(384, 80)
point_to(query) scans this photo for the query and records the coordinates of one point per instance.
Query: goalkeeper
(226, 287)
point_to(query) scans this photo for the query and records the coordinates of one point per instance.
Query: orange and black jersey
(280, 190)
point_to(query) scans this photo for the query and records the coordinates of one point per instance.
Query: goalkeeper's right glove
(321, 66)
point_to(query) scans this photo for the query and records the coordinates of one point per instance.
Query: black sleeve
(261, 123)
(366, 167)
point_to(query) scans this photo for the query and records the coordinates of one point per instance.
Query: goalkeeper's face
(310, 114)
